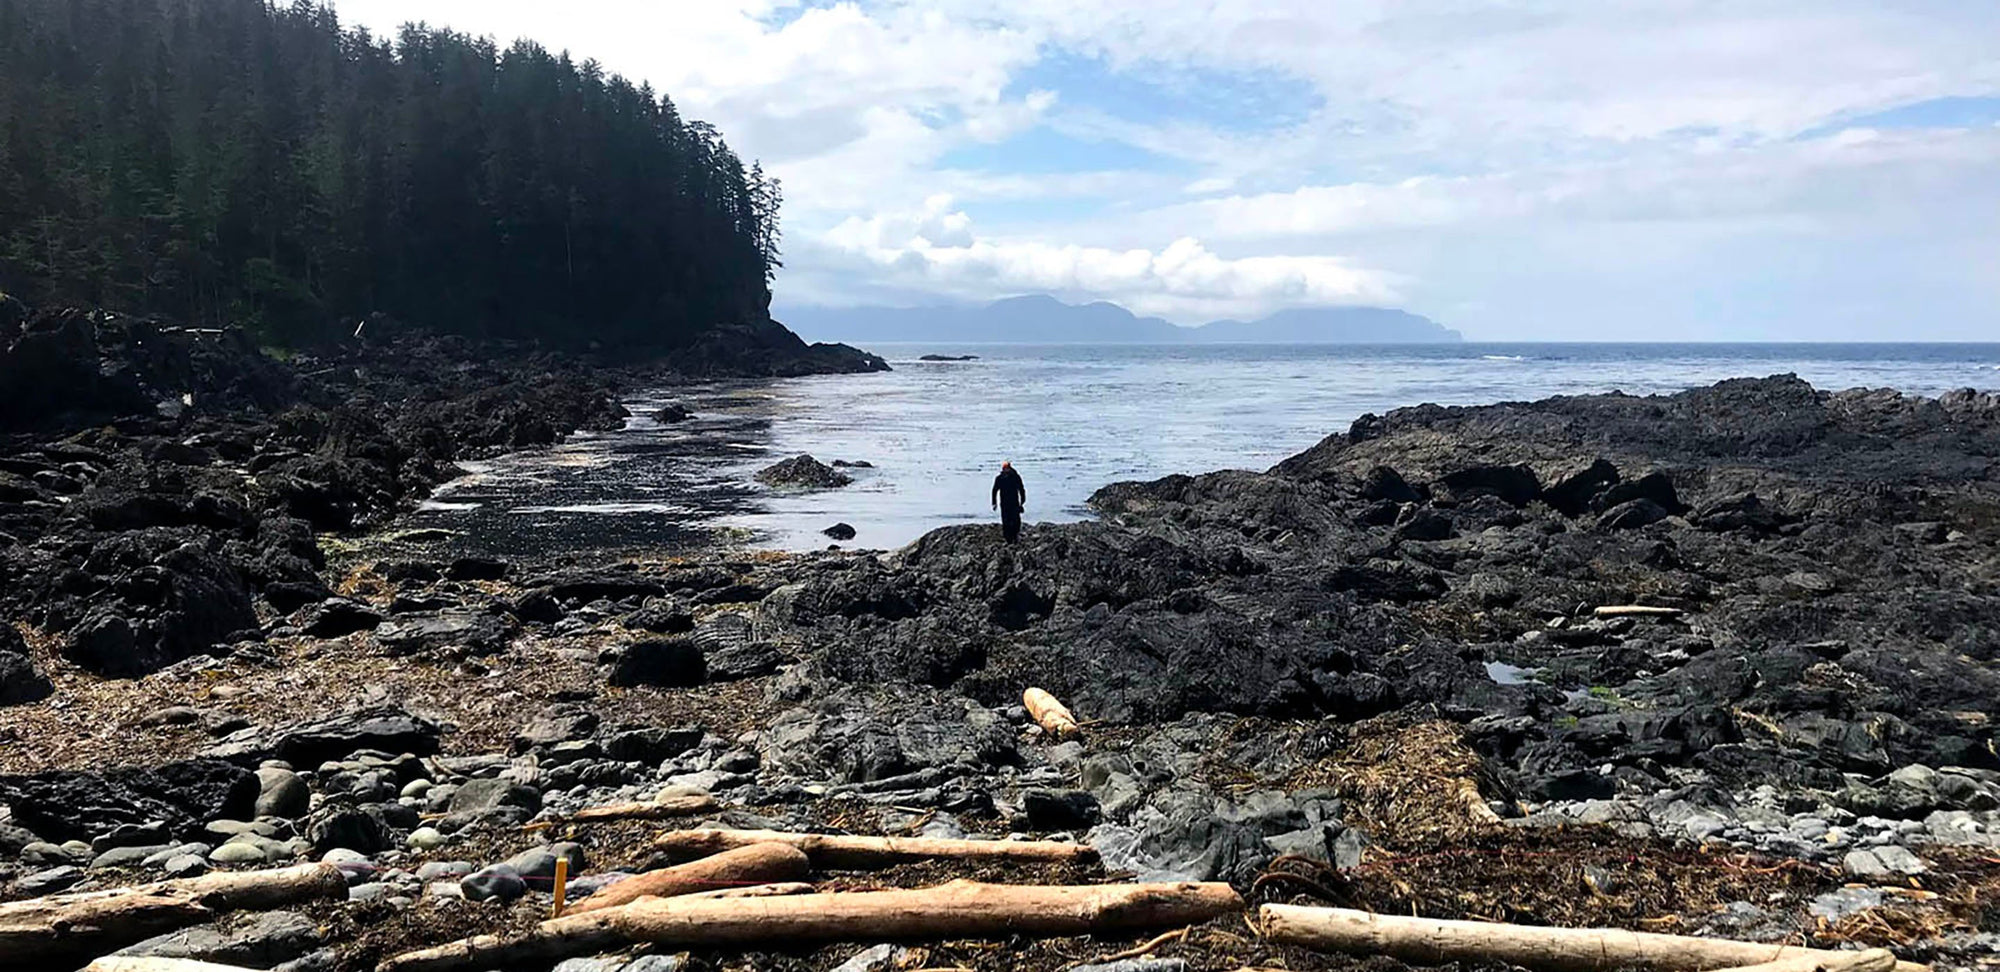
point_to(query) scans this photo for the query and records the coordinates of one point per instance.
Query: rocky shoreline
(1717, 663)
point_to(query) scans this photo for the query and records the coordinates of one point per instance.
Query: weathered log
(1438, 941)
(744, 866)
(135, 963)
(550, 942)
(960, 909)
(88, 924)
(682, 806)
(755, 891)
(1054, 717)
(1637, 611)
(1871, 960)
(862, 853)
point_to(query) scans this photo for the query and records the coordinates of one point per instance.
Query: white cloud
(1524, 167)
(934, 249)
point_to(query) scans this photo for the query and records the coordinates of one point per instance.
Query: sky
(1516, 169)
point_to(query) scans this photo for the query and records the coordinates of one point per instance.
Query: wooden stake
(1054, 717)
(1438, 941)
(562, 886)
(861, 853)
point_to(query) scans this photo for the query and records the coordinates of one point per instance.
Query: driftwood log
(1054, 717)
(756, 864)
(683, 806)
(1871, 960)
(78, 927)
(755, 891)
(862, 853)
(1438, 941)
(134, 963)
(1637, 611)
(960, 909)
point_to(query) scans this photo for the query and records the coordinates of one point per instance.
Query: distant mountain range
(1042, 319)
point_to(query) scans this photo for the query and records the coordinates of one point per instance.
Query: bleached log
(683, 806)
(1054, 717)
(1438, 941)
(742, 867)
(756, 891)
(1871, 960)
(135, 963)
(86, 924)
(550, 942)
(860, 853)
(1637, 611)
(959, 909)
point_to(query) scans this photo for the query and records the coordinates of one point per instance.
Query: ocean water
(1071, 418)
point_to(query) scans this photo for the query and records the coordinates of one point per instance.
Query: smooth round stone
(441, 870)
(496, 883)
(186, 865)
(426, 838)
(415, 789)
(341, 855)
(368, 892)
(237, 853)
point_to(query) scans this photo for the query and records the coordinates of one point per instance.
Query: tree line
(246, 162)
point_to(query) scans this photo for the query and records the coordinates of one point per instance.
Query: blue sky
(1517, 169)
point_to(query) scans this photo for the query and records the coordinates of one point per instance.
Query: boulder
(389, 729)
(802, 472)
(20, 681)
(671, 663)
(490, 794)
(1052, 810)
(258, 940)
(179, 797)
(281, 793)
(469, 632)
(337, 617)
(476, 569)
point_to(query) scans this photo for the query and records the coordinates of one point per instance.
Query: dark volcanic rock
(20, 681)
(386, 728)
(671, 663)
(467, 632)
(68, 805)
(163, 599)
(337, 617)
(856, 735)
(476, 569)
(585, 586)
(839, 531)
(1049, 810)
(803, 472)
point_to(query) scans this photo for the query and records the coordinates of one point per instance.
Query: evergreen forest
(243, 162)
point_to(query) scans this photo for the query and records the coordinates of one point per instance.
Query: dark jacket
(1009, 491)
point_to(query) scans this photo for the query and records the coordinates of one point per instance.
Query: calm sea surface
(1070, 417)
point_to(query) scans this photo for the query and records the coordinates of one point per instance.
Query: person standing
(1009, 496)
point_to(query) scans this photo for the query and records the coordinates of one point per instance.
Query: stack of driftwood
(749, 888)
